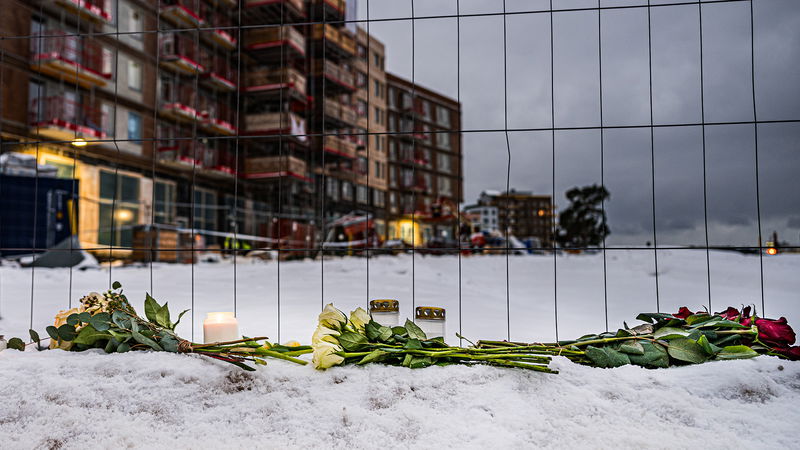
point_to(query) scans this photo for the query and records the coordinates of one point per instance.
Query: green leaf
(111, 345)
(89, 336)
(687, 350)
(698, 319)
(372, 330)
(123, 347)
(719, 322)
(622, 333)
(16, 344)
(400, 331)
(101, 321)
(169, 343)
(655, 356)
(116, 285)
(142, 339)
(85, 317)
(418, 362)
(631, 347)
(414, 332)
(73, 319)
(737, 352)
(407, 360)
(121, 319)
(413, 344)
(385, 333)
(606, 357)
(668, 333)
(52, 332)
(67, 332)
(35, 337)
(119, 336)
(707, 346)
(731, 339)
(650, 317)
(162, 316)
(373, 356)
(151, 308)
(180, 316)
(352, 342)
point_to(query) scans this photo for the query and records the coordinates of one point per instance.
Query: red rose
(792, 353)
(775, 333)
(730, 314)
(683, 313)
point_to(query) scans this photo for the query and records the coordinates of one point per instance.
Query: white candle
(3, 343)
(220, 327)
(431, 320)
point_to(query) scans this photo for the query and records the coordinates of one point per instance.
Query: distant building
(521, 213)
(483, 218)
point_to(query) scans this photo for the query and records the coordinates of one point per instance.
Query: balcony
(263, 12)
(220, 75)
(338, 146)
(62, 118)
(183, 13)
(332, 10)
(218, 118)
(338, 115)
(184, 154)
(181, 54)
(276, 123)
(91, 10)
(219, 163)
(275, 43)
(286, 82)
(69, 58)
(340, 80)
(222, 37)
(338, 42)
(179, 102)
(270, 167)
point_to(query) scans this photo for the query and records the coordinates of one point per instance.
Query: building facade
(425, 158)
(269, 131)
(522, 214)
(483, 218)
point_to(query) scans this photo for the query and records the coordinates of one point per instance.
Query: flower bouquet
(360, 340)
(108, 321)
(686, 337)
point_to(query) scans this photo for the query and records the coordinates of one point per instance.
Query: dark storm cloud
(730, 183)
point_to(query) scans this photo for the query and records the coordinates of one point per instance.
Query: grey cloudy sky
(678, 151)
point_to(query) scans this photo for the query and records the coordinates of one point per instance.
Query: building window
(378, 198)
(445, 186)
(107, 118)
(347, 191)
(134, 75)
(377, 59)
(443, 140)
(379, 119)
(332, 188)
(426, 110)
(164, 202)
(443, 162)
(205, 210)
(134, 127)
(377, 86)
(362, 52)
(443, 116)
(135, 24)
(392, 92)
(361, 79)
(362, 194)
(361, 108)
(119, 209)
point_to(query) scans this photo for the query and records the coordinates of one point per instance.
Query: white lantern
(385, 311)
(220, 327)
(431, 320)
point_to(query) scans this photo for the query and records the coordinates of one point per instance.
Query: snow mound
(156, 400)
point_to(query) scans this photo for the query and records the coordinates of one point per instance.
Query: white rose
(332, 318)
(325, 355)
(324, 334)
(359, 318)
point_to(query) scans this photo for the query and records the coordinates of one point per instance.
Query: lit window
(134, 127)
(135, 75)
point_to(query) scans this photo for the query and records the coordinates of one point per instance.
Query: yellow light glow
(79, 142)
(541, 212)
(772, 251)
(124, 215)
(219, 316)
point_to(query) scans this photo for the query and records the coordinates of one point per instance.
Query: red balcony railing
(225, 35)
(219, 162)
(94, 10)
(179, 101)
(181, 53)
(63, 118)
(182, 153)
(184, 13)
(220, 74)
(72, 58)
(218, 117)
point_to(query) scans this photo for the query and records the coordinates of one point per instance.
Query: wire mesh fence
(196, 147)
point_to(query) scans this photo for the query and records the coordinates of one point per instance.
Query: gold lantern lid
(384, 305)
(430, 313)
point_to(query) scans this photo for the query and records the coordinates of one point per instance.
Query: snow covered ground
(92, 400)
(149, 400)
(434, 281)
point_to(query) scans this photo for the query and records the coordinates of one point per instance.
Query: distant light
(79, 142)
(124, 215)
(772, 251)
(541, 212)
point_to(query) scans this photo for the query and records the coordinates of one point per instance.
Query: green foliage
(414, 331)
(687, 350)
(353, 342)
(16, 344)
(583, 222)
(89, 336)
